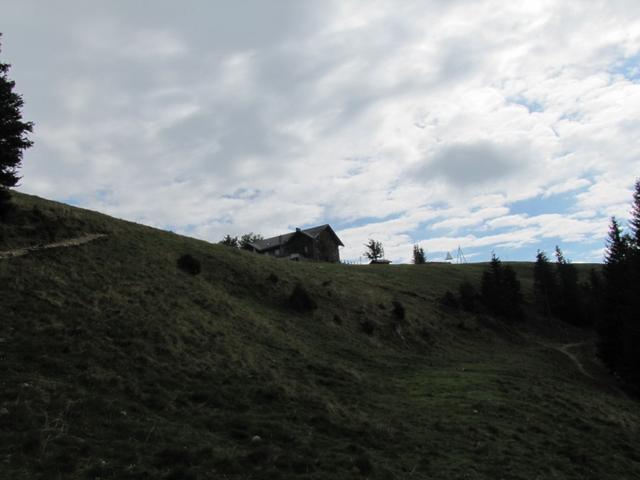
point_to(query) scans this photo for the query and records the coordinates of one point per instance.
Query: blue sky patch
(628, 67)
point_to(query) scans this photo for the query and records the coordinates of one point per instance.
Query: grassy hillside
(116, 364)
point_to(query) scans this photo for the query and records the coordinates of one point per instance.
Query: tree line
(608, 301)
(243, 242)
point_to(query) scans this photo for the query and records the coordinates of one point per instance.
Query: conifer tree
(568, 303)
(619, 324)
(634, 222)
(610, 325)
(616, 250)
(418, 255)
(13, 135)
(544, 283)
(500, 290)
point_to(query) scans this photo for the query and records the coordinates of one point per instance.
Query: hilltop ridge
(116, 363)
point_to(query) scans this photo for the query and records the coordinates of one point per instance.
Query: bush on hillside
(448, 299)
(301, 301)
(468, 294)
(368, 326)
(189, 264)
(398, 310)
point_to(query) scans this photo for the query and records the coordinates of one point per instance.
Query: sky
(492, 126)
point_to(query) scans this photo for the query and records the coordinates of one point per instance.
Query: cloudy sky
(489, 125)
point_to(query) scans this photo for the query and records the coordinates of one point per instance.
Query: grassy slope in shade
(115, 364)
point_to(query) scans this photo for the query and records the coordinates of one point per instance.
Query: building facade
(317, 243)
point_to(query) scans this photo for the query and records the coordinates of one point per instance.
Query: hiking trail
(71, 242)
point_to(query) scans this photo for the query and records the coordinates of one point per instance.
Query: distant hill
(117, 364)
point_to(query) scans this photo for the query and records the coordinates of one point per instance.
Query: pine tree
(634, 222)
(544, 283)
(13, 135)
(616, 251)
(418, 255)
(569, 305)
(615, 298)
(619, 324)
(594, 295)
(500, 290)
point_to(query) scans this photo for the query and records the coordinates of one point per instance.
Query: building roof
(277, 241)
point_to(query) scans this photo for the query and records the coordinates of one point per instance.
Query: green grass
(116, 364)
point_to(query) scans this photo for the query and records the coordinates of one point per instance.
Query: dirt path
(564, 349)
(71, 242)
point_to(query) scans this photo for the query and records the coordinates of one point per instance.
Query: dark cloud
(467, 164)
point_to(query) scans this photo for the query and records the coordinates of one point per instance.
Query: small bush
(363, 464)
(337, 319)
(368, 327)
(449, 300)
(273, 278)
(181, 473)
(398, 310)
(467, 296)
(189, 264)
(301, 301)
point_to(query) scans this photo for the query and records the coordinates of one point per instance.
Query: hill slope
(118, 364)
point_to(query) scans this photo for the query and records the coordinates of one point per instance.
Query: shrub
(449, 300)
(500, 290)
(398, 310)
(468, 295)
(301, 301)
(273, 278)
(368, 327)
(363, 464)
(189, 264)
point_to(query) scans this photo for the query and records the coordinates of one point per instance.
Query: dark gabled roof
(277, 241)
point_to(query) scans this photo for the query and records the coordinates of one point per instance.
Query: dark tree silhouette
(615, 276)
(500, 290)
(374, 250)
(544, 283)
(468, 294)
(418, 255)
(247, 239)
(594, 295)
(619, 324)
(568, 302)
(617, 246)
(229, 241)
(13, 135)
(634, 222)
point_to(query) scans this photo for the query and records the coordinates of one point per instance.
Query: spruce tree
(634, 222)
(500, 290)
(544, 283)
(616, 249)
(418, 255)
(569, 305)
(13, 135)
(610, 325)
